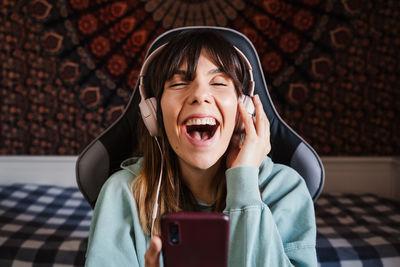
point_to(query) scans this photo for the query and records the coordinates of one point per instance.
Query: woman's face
(199, 116)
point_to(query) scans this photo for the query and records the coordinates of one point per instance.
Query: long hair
(174, 194)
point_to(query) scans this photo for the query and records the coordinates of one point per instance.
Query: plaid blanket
(49, 226)
(357, 230)
(44, 225)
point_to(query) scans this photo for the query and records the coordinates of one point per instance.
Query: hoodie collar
(132, 165)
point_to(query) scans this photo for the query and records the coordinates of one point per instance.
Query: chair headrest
(103, 156)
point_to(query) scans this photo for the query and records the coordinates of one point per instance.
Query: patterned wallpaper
(68, 67)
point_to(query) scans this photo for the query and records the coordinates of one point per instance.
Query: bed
(49, 226)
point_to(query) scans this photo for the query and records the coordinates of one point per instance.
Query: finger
(152, 255)
(247, 120)
(262, 123)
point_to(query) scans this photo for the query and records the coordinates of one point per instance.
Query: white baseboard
(376, 175)
(51, 170)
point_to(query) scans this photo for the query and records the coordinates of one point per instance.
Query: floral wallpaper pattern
(68, 67)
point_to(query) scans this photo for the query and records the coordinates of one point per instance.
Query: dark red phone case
(203, 239)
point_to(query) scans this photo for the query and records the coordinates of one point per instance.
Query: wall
(68, 67)
(375, 175)
(355, 175)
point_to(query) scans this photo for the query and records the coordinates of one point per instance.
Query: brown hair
(174, 195)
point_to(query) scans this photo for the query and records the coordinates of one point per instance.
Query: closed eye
(220, 80)
(219, 84)
(177, 84)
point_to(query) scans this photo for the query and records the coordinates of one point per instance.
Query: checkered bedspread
(44, 225)
(357, 230)
(49, 226)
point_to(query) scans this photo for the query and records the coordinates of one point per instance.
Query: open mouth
(201, 129)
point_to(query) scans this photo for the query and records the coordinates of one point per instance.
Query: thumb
(155, 244)
(152, 255)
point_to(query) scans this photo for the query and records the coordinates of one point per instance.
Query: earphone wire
(155, 207)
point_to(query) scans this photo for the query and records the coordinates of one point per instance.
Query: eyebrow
(183, 72)
(215, 71)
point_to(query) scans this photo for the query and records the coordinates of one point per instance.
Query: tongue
(200, 135)
(204, 136)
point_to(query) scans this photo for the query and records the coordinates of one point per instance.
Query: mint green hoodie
(275, 229)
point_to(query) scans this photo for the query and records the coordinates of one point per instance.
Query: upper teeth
(201, 121)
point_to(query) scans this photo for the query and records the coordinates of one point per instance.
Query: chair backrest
(103, 156)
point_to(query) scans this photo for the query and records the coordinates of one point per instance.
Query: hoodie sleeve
(113, 238)
(272, 217)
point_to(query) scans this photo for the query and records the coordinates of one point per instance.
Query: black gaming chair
(103, 156)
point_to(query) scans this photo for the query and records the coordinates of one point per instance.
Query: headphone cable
(155, 208)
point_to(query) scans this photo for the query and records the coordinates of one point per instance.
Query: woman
(196, 80)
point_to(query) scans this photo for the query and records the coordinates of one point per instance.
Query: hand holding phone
(256, 144)
(195, 239)
(152, 255)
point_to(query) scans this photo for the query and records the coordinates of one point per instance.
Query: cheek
(230, 106)
(166, 111)
(170, 116)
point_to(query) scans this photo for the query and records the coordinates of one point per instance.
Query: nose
(200, 93)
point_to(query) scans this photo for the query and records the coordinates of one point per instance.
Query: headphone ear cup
(148, 110)
(249, 107)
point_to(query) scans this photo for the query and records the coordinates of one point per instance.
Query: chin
(206, 164)
(202, 162)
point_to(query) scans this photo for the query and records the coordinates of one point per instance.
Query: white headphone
(148, 106)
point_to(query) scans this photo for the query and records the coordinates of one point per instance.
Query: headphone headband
(145, 66)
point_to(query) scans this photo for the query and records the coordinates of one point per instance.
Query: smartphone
(195, 239)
